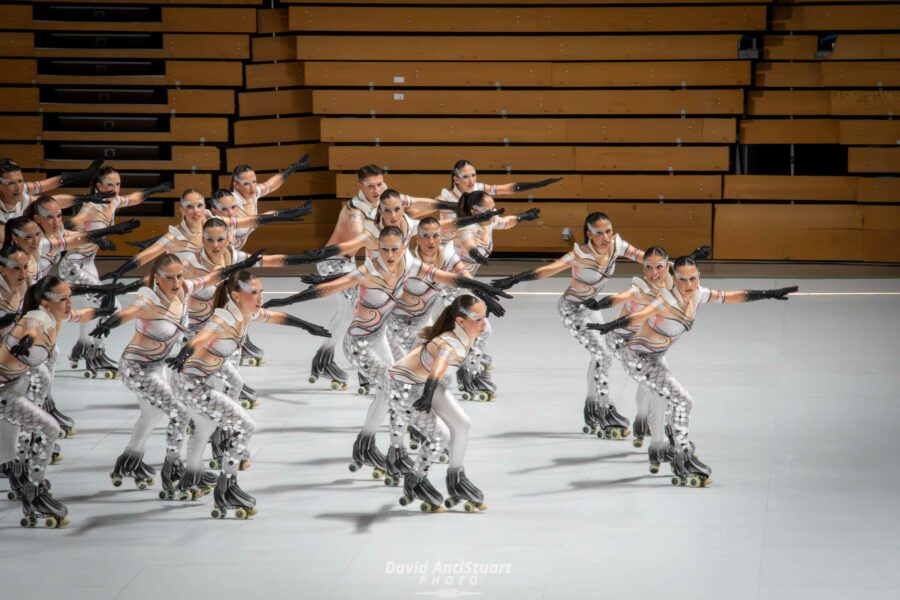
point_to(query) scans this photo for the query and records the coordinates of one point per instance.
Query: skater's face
(49, 216)
(465, 179)
(193, 208)
(391, 249)
(391, 210)
(600, 232)
(655, 268)
(170, 279)
(372, 187)
(111, 182)
(28, 238)
(687, 280)
(12, 186)
(248, 296)
(245, 184)
(225, 206)
(16, 271)
(475, 323)
(60, 303)
(486, 204)
(215, 241)
(429, 238)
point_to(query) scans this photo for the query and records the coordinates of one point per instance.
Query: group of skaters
(411, 319)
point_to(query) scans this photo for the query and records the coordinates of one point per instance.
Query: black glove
(701, 253)
(322, 253)
(158, 189)
(493, 307)
(479, 218)
(508, 282)
(81, 176)
(300, 165)
(107, 308)
(424, 403)
(531, 214)
(317, 279)
(105, 244)
(445, 205)
(247, 263)
(533, 185)
(146, 243)
(298, 259)
(307, 294)
(9, 318)
(285, 216)
(292, 321)
(474, 284)
(83, 289)
(124, 288)
(477, 255)
(128, 265)
(176, 363)
(97, 197)
(105, 326)
(117, 229)
(22, 346)
(594, 304)
(605, 328)
(779, 294)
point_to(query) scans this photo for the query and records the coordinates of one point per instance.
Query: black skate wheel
(25, 522)
(163, 495)
(600, 434)
(12, 496)
(354, 467)
(312, 379)
(404, 500)
(216, 514)
(73, 365)
(88, 374)
(585, 429)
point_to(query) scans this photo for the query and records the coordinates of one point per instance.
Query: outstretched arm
(280, 318)
(105, 326)
(316, 291)
(627, 321)
(557, 266)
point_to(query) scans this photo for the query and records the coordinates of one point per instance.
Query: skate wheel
(12, 496)
(25, 522)
(483, 397)
(214, 464)
(116, 481)
(336, 385)
(637, 442)
(654, 468)
(413, 446)
(245, 404)
(260, 362)
(241, 514)
(461, 388)
(390, 481)
(466, 396)
(615, 434)
(354, 467)
(448, 503)
(72, 432)
(217, 514)
(109, 375)
(425, 507)
(600, 434)
(694, 482)
(585, 429)
(51, 523)
(404, 500)
(88, 374)
(677, 481)
(73, 365)
(444, 459)
(142, 485)
(377, 473)
(251, 512)
(163, 495)
(244, 464)
(471, 506)
(56, 458)
(312, 379)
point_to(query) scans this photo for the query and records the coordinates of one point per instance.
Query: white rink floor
(796, 409)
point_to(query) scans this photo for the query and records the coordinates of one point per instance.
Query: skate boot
(190, 486)
(417, 487)
(486, 389)
(365, 452)
(415, 438)
(365, 386)
(459, 489)
(38, 503)
(66, 424)
(248, 397)
(217, 444)
(208, 481)
(170, 476)
(662, 451)
(323, 364)
(228, 495)
(487, 363)
(398, 464)
(131, 464)
(641, 430)
(79, 353)
(251, 354)
(107, 367)
(687, 470)
(56, 456)
(5, 468)
(473, 386)
(592, 410)
(17, 479)
(613, 426)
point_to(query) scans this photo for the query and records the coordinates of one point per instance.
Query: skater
(202, 378)
(419, 388)
(661, 323)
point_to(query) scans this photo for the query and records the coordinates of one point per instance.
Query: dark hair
(447, 319)
(32, 209)
(8, 166)
(590, 220)
(240, 170)
(389, 231)
(684, 261)
(163, 260)
(468, 200)
(10, 249)
(218, 195)
(36, 292)
(457, 167)
(428, 221)
(229, 285)
(185, 193)
(367, 171)
(655, 251)
(15, 223)
(98, 176)
(214, 222)
(388, 193)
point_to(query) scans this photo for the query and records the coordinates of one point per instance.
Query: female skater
(419, 386)
(662, 323)
(202, 370)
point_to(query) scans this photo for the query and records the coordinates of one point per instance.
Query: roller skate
(38, 503)
(688, 470)
(228, 495)
(66, 423)
(217, 444)
(415, 438)
(5, 468)
(95, 367)
(170, 477)
(398, 464)
(323, 364)
(474, 386)
(56, 456)
(460, 489)
(365, 452)
(251, 354)
(641, 430)
(365, 386)
(193, 485)
(109, 367)
(131, 464)
(613, 426)
(417, 487)
(662, 451)
(248, 397)
(591, 416)
(79, 353)
(17, 479)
